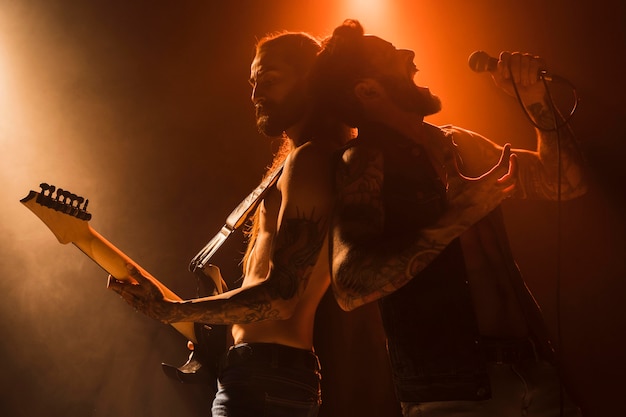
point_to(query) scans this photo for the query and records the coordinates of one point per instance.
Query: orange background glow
(143, 107)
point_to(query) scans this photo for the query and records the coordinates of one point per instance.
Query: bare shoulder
(477, 153)
(309, 155)
(307, 178)
(307, 164)
(465, 137)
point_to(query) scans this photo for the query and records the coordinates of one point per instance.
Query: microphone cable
(564, 121)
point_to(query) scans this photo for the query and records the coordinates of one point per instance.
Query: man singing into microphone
(418, 227)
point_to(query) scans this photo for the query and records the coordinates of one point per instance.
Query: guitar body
(66, 216)
(203, 362)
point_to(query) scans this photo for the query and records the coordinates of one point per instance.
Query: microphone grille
(480, 61)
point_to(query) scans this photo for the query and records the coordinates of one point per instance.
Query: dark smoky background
(143, 108)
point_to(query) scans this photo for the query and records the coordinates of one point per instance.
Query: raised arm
(306, 190)
(365, 264)
(539, 175)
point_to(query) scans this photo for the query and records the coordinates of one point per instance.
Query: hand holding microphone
(523, 76)
(527, 71)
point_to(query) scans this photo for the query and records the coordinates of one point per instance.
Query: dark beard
(411, 98)
(272, 118)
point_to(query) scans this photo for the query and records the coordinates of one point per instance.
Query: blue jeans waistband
(271, 354)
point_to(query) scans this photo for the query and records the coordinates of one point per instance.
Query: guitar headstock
(64, 213)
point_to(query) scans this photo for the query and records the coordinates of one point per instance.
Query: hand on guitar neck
(66, 216)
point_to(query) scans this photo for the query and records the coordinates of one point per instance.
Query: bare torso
(296, 331)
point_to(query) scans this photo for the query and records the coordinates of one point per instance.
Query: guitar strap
(202, 365)
(234, 220)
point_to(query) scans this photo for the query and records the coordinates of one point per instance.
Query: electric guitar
(67, 217)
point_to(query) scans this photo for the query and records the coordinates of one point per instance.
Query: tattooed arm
(289, 250)
(539, 171)
(368, 264)
(538, 176)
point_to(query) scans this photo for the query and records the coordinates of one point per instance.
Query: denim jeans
(529, 388)
(268, 380)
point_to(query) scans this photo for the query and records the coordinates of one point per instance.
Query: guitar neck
(66, 216)
(115, 262)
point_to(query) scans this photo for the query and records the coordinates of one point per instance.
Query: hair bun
(350, 29)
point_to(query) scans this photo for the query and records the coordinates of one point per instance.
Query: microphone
(480, 61)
